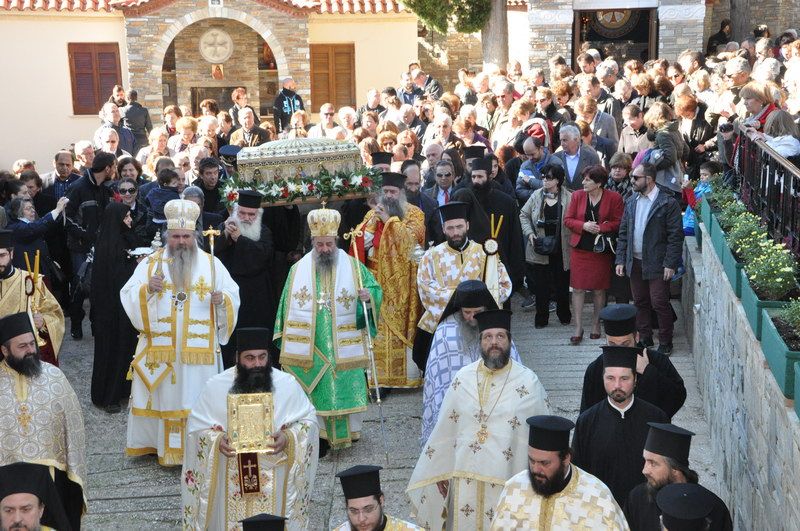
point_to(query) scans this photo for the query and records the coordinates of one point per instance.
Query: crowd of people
(549, 185)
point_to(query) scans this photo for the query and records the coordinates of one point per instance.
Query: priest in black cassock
(609, 436)
(685, 507)
(245, 249)
(657, 380)
(666, 462)
(494, 215)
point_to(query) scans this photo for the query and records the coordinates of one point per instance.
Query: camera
(541, 223)
(726, 128)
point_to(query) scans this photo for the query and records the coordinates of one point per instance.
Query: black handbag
(603, 243)
(548, 245)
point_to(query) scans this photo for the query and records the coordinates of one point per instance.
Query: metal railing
(770, 187)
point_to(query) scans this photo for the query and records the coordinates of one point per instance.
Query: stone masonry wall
(151, 27)
(681, 27)
(442, 55)
(551, 31)
(779, 15)
(194, 71)
(755, 432)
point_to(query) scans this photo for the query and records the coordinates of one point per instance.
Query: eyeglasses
(448, 174)
(127, 191)
(369, 509)
(549, 177)
(328, 113)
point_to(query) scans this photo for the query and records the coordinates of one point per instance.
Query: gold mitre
(324, 222)
(181, 214)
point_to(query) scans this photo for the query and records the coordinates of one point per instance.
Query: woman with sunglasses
(129, 195)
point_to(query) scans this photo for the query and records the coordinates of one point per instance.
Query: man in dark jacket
(649, 253)
(137, 119)
(430, 87)
(208, 182)
(88, 198)
(723, 36)
(287, 102)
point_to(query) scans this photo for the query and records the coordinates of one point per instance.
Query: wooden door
(333, 76)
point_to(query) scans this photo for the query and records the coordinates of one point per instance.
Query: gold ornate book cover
(250, 422)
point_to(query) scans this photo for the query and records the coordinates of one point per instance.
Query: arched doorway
(211, 57)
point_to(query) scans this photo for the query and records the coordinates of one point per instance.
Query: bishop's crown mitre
(181, 214)
(324, 222)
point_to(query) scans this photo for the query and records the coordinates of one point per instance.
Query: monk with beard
(184, 304)
(553, 493)
(246, 250)
(42, 421)
(389, 235)
(493, 215)
(277, 482)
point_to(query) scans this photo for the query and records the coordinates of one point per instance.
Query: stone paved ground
(136, 493)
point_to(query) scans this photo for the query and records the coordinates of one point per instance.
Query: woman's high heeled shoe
(576, 340)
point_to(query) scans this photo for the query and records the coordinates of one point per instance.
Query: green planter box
(781, 360)
(753, 305)
(733, 270)
(698, 236)
(717, 237)
(797, 387)
(705, 213)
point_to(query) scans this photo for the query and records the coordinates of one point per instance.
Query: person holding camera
(547, 244)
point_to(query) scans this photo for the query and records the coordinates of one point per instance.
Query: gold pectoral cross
(483, 434)
(324, 301)
(24, 418)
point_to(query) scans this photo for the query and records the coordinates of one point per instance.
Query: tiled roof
(55, 5)
(359, 6)
(319, 6)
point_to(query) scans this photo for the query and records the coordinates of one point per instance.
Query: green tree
(469, 16)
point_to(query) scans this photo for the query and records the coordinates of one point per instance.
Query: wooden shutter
(94, 70)
(333, 75)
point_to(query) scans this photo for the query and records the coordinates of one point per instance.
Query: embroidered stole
(299, 328)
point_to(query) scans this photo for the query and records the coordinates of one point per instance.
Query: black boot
(324, 447)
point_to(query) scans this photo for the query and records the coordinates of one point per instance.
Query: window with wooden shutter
(94, 69)
(333, 76)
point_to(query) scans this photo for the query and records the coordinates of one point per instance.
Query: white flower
(355, 180)
(337, 182)
(304, 188)
(275, 191)
(292, 187)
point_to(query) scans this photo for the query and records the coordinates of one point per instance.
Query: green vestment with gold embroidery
(338, 391)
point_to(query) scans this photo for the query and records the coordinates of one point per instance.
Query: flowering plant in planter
(745, 235)
(729, 213)
(788, 321)
(771, 269)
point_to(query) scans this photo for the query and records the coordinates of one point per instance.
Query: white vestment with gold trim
(177, 350)
(210, 489)
(585, 503)
(479, 441)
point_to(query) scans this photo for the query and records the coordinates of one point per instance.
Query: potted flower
(768, 279)
(780, 341)
(724, 220)
(728, 207)
(745, 233)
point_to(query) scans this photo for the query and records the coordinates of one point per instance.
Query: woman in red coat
(593, 211)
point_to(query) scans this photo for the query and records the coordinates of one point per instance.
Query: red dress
(590, 270)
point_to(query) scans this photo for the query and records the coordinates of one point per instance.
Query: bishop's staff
(351, 236)
(31, 287)
(211, 234)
